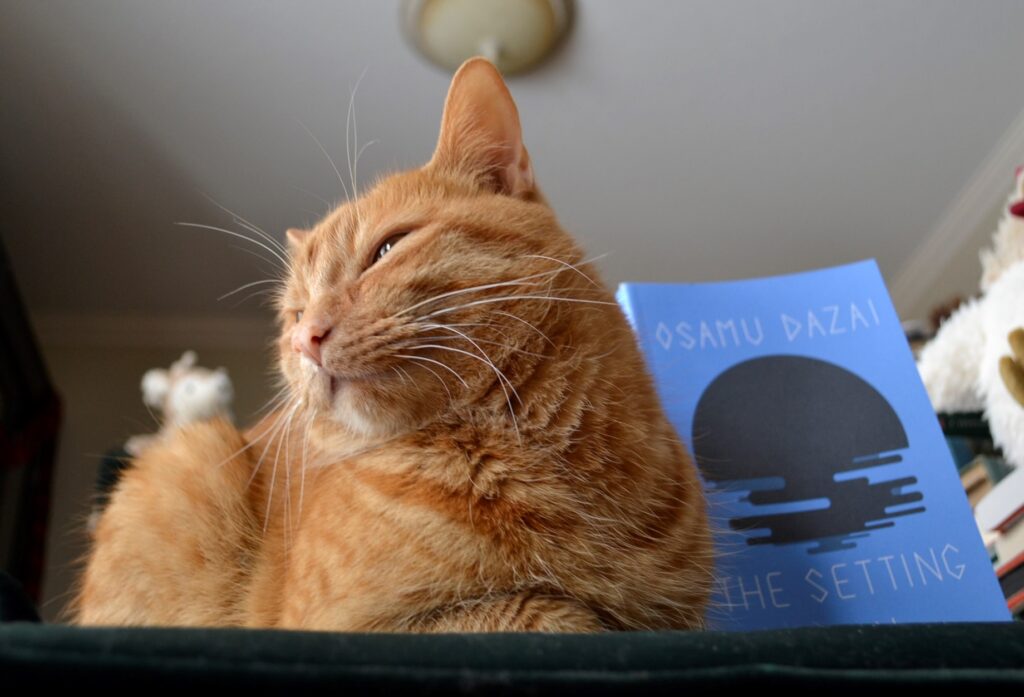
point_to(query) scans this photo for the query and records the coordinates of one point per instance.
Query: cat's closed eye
(386, 246)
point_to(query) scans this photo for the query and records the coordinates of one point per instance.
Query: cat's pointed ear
(296, 236)
(480, 132)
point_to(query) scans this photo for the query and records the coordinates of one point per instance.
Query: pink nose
(309, 336)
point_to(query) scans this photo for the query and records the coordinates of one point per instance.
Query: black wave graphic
(782, 428)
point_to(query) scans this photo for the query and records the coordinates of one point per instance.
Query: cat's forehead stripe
(329, 252)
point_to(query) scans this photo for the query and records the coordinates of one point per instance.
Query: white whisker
(319, 198)
(305, 447)
(351, 119)
(249, 226)
(273, 262)
(239, 289)
(431, 360)
(360, 152)
(241, 450)
(436, 375)
(502, 380)
(506, 298)
(278, 424)
(328, 156)
(405, 372)
(250, 296)
(239, 235)
(287, 490)
(275, 399)
(486, 286)
(487, 358)
(573, 267)
(462, 291)
(279, 398)
(460, 335)
(405, 380)
(273, 475)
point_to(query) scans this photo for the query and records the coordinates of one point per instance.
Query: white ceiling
(689, 140)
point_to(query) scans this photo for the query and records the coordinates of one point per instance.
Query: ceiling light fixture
(516, 35)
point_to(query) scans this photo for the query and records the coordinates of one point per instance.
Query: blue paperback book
(833, 494)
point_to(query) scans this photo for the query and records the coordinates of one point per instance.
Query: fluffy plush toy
(976, 361)
(184, 393)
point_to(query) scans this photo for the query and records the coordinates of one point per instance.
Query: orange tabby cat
(471, 440)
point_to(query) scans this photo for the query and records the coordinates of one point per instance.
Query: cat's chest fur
(452, 519)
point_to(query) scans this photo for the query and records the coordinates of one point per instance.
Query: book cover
(833, 494)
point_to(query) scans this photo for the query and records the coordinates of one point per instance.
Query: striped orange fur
(469, 438)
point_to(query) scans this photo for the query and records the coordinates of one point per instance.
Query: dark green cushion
(861, 658)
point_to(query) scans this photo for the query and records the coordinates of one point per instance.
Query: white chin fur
(350, 410)
(307, 366)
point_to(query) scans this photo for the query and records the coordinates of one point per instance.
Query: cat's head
(419, 296)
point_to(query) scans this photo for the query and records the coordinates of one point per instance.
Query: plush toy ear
(480, 132)
(183, 365)
(1011, 368)
(187, 360)
(156, 384)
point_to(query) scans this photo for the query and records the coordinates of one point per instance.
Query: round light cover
(514, 34)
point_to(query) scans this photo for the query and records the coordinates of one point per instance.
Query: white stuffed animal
(184, 394)
(961, 365)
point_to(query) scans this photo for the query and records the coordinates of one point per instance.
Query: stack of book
(1000, 514)
(978, 461)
